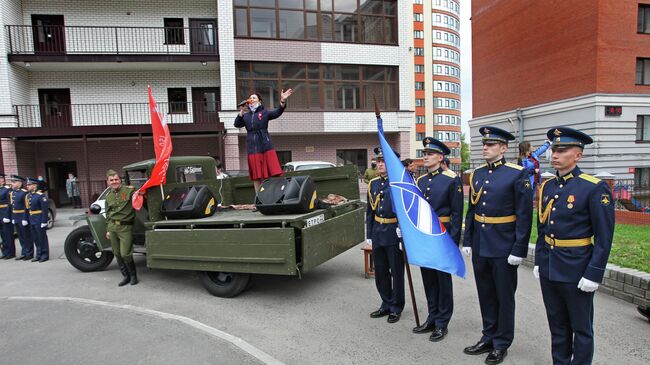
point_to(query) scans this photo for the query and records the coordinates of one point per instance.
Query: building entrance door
(48, 33)
(203, 36)
(205, 104)
(55, 108)
(56, 175)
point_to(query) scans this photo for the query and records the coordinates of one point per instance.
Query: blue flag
(426, 240)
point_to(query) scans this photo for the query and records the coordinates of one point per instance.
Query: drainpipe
(520, 118)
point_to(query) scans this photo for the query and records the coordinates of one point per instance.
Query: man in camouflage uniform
(120, 217)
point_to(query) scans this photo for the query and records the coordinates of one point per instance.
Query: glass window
(346, 6)
(419, 51)
(189, 173)
(419, 136)
(263, 23)
(311, 27)
(372, 27)
(174, 32)
(241, 23)
(643, 20)
(345, 28)
(292, 24)
(284, 157)
(643, 128)
(290, 4)
(643, 71)
(358, 157)
(177, 98)
(348, 96)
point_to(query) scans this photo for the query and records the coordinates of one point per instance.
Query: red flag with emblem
(162, 144)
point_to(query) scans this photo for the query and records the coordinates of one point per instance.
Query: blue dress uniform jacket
(19, 214)
(257, 124)
(574, 207)
(38, 206)
(499, 214)
(6, 229)
(443, 190)
(381, 225)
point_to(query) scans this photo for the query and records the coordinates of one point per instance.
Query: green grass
(630, 249)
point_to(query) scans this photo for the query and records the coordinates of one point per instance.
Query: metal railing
(632, 195)
(60, 40)
(86, 115)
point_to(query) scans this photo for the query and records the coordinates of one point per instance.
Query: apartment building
(73, 83)
(436, 42)
(583, 64)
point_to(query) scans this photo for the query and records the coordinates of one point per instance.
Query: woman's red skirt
(264, 165)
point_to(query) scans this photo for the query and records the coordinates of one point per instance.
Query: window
(419, 102)
(284, 157)
(419, 51)
(190, 173)
(419, 85)
(418, 34)
(419, 136)
(417, 1)
(177, 98)
(643, 71)
(174, 33)
(643, 20)
(417, 17)
(419, 119)
(353, 157)
(419, 153)
(642, 177)
(372, 21)
(320, 86)
(419, 69)
(643, 128)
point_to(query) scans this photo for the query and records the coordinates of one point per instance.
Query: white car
(306, 165)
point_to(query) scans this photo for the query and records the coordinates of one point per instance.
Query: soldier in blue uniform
(6, 228)
(444, 192)
(498, 222)
(20, 218)
(575, 227)
(381, 226)
(37, 207)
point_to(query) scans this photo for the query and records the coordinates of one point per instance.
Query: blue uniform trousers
(570, 313)
(440, 296)
(389, 276)
(40, 240)
(496, 282)
(24, 236)
(7, 233)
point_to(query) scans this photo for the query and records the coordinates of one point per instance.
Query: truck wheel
(50, 219)
(82, 252)
(224, 284)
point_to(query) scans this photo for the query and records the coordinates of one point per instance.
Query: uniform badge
(527, 184)
(557, 132)
(123, 196)
(259, 116)
(460, 190)
(604, 199)
(571, 199)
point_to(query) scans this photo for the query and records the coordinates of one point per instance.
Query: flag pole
(406, 262)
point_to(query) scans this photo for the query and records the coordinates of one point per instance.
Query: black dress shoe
(496, 357)
(8, 257)
(438, 334)
(20, 258)
(427, 327)
(393, 317)
(479, 348)
(34, 260)
(379, 313)
(645, 311)
(42, 260)
(27, 258)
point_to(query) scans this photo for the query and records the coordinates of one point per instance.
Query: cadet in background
(37, 207)
(443, 190)
(498, 223)
(575, 230)
(6, 227)
(20, 218)
(120, 217)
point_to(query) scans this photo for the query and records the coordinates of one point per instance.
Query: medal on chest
(570, 200)
(123, 196)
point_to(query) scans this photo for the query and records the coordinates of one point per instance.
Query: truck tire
(50, 219)
(224, 284)
(82, 252)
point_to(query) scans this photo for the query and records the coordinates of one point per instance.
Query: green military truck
(231, 245)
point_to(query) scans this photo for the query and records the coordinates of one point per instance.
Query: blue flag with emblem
(426, 240)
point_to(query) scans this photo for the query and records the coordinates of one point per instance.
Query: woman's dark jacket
(257, 124)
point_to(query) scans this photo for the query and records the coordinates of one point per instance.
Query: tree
(464, 153)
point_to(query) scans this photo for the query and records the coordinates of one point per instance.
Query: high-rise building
(74, 76)
(582, 64)
(436, 45)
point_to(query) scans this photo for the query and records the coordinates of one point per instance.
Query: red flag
(162, 144)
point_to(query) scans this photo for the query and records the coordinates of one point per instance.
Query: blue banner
(426, 241)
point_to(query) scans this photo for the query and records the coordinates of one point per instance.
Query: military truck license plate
(315, 220)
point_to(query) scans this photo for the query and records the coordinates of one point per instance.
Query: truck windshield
(136, 178)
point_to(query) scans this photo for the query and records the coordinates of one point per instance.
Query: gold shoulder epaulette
(373, 179)
(449, 173)
(418, 179)
(39, 193)
(514, 166)
(590, 178)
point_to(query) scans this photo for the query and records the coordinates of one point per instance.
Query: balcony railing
(81, 40)
(117, 114)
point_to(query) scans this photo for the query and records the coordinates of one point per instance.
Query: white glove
(25, 223)
(399, 232)
(514, 260)
(467, 251)
(587, 285)
(43, 225)
(6, 220)
(13, 221)
(369, 241)
(536, 272)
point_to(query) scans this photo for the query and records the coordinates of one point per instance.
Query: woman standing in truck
(262, 158)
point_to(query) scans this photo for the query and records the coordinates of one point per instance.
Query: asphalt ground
(53, 314)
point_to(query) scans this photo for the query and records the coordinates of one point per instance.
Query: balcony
(60, 43)
(116, 118)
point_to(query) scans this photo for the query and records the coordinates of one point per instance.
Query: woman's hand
(284, 95)
(242, 110)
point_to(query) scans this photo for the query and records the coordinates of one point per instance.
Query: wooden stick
(410, 281)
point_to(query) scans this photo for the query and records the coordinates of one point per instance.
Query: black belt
(122, 223)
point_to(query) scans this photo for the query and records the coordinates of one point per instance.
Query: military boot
(134, 275)
(124, 270)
